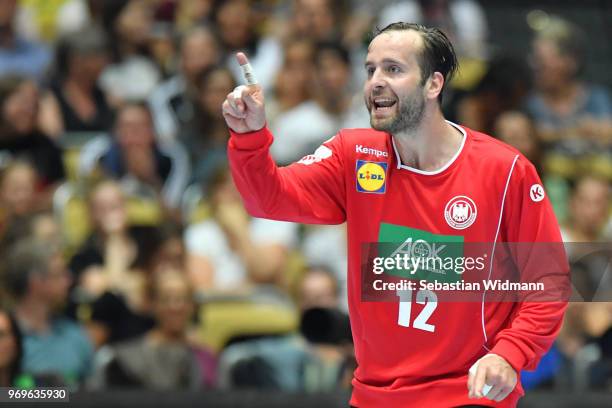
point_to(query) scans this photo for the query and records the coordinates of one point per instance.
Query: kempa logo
(369, 150)
(536, 192)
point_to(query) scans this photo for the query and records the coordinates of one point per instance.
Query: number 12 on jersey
(423, 297)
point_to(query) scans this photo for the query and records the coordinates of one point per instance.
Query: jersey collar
(441, 169)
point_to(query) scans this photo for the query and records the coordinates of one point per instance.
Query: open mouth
(381, 104)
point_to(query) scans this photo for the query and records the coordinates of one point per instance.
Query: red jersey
(488, 192)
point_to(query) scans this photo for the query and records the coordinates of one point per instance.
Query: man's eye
(394, 69)
(370, 71)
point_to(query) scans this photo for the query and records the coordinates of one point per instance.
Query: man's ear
(434, 85)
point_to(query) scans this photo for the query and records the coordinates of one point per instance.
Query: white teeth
(380, 103)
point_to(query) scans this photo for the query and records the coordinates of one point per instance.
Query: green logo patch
(419, 254)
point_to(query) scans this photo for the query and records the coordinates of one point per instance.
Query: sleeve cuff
(250, 140)
(511, 353)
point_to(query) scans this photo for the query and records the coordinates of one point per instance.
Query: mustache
(381, 92)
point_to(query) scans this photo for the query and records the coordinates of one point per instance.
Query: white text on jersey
(369, 150)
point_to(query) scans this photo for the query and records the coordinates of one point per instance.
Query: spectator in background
(18, 200)
(601, 371)
(40, 225)
(318, 288)
(589, 211)
(167, 250)
(190, 13)
(569, 114)
(11, 349)
(38, 279)
(163, 48)
(75, 102)
(504, 87)
(205, 135)
(103, 13)
(18, 55)
(463, 21)
(327, 329)
(145, 166)
(133, 75)
(293, 80)
(316, 20)
(325, 245)
(322, 244)
(164, 358)
(44, 226)
(170, 101)
(588, 321)
(37, 224)
(108, 285)
(516, 129)
(465, 24)
(334, 107)
(18, 184)
(20, 134)
(231, 251)
(318, 359)
(234, 21)
(362, 17)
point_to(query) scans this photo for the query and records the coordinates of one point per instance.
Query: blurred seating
(72, 144)
(224, 318)
(193, 205)
(70, 208)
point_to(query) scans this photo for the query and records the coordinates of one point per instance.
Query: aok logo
(419, 248)
(371, 176)
(431, 252)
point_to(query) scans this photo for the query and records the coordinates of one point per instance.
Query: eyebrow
(385, 61)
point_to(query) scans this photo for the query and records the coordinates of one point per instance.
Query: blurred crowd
(129, 259)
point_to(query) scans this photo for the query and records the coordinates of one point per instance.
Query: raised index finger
(247, 70)
(242, 58)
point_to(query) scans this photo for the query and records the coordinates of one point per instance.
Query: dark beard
(412, 109)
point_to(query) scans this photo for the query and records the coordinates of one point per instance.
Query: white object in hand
(249, 75)
(238, 91)
(485, 388)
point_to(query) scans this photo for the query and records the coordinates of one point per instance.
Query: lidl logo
(371, 176)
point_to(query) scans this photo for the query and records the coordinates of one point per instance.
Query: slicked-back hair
(437, 55)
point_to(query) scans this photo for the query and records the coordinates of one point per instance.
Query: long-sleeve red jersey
(487, 193)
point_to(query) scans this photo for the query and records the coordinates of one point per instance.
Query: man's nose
(378, 79)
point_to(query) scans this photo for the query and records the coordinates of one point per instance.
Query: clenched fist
(243, 109)
(499, 377)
